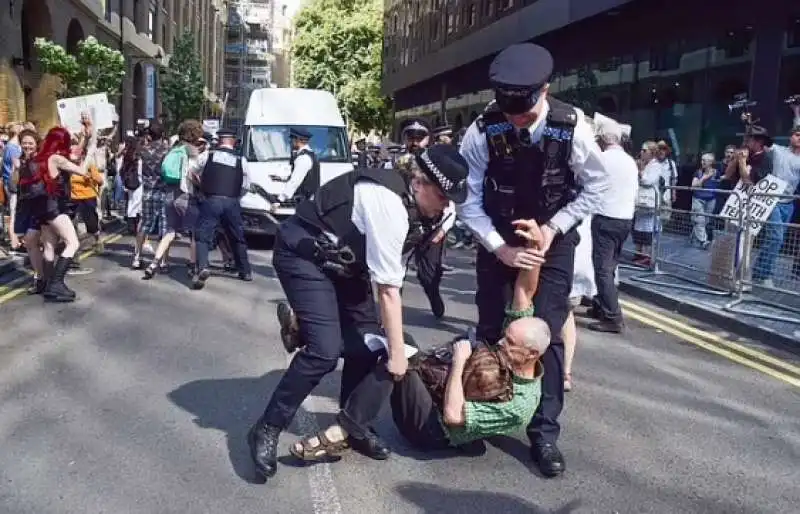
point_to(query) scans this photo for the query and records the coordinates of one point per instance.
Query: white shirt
(379, 214)
(585, 161)
(302, 165)
(620, 200)
(449, 217)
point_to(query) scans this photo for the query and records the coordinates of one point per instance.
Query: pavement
(682, 284)
(137, 398)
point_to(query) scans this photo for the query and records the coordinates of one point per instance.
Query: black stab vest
(527, 180)
(222, 178)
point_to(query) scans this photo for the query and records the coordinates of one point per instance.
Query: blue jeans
(774, 231)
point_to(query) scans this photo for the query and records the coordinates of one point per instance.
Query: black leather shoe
(437, 304)
(372, 446)
(609, 327)
(263, 441)
(549, 459)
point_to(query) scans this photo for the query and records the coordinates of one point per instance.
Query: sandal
(308, 452)
(568, 382)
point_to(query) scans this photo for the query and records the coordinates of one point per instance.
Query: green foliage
(95, 68)
(181, 84)
(337, 47)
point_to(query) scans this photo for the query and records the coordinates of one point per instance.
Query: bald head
(532, 333)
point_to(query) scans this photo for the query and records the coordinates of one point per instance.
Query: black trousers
(608, 236)
(216, 211)
(414, 413)
(429, 268)
(551, 303)
(333, 315)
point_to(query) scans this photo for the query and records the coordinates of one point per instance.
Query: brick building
(146, 30)
(668, 67)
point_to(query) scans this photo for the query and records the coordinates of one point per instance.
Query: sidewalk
(681, 289)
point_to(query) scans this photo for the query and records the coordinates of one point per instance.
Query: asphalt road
(137, 398)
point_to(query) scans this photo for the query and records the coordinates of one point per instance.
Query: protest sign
(756, 197)
(101, 112)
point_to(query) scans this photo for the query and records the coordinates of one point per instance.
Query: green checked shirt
(488, 419)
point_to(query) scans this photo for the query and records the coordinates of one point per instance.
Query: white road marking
(324, 496)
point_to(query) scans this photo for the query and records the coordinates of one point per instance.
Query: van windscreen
(271, 143)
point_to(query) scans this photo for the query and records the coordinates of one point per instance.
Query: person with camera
(463, 392)
(354, 231)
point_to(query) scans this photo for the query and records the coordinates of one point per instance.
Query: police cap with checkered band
(518, 74)
(447, 168)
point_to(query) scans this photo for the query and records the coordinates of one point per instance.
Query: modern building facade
(248, 55)
(669, 68)
(145, 31)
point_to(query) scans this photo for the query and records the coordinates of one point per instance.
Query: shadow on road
(435, 499)
(232, 405)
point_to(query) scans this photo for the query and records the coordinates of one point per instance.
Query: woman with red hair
(49, 207)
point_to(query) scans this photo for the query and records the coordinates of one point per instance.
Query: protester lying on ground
(453, 395)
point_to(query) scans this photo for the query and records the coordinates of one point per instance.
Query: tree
(337, 47)
(182, 82)
(95, 68)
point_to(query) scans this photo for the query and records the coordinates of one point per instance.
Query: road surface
(137, 398)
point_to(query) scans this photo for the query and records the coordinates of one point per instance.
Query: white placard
(101, 112)
(211, 126)
(377, 342)
(759, 206)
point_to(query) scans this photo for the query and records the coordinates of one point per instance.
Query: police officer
(222, 183)
(394, 152)
(353, 232)
(362, 159)
(304, 180)
(443, 135)
(530, 156)
(428, 259)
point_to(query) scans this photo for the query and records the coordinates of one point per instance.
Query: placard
(101, 112)
(759, 206)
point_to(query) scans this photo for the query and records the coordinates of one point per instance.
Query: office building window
(471, 15)
(151, 23)
(488, 8)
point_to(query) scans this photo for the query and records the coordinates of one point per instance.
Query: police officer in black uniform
(304, 180)
(222, 183)
(530, 156)
(443, 135)
(353, 232)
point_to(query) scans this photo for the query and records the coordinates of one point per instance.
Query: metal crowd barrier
(712, 247)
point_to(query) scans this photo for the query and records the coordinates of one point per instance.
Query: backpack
(173, 164)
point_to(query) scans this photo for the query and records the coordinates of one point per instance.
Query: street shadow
(517, 449)
(434, 499)
(232, 405)
(423, 318)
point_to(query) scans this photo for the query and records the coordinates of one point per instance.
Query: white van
(266, 149)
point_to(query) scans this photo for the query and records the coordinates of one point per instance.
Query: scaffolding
(249, 57)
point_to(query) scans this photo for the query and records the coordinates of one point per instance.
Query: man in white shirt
(611, 223)
(355, 231)
(528, 155)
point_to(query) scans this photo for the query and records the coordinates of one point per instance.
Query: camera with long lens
(742, 103)
(793, 100)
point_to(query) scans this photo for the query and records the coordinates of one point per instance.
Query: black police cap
(447, 168)
(225, 132)
(415, 124)
(299, 133)
(517, 73)
(444, 130)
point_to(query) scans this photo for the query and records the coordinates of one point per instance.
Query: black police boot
(263, 442)
(57, 290)
(246, 277)
(548, 458)
(290, 332)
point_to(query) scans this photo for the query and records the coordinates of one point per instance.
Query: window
(435, 25)
(471, 15)
(283, 10)
(488, 8)
(151, 23)
(450, 22)
(271, 143)
(506, 4)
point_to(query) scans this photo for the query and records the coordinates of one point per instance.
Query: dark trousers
(429, 268)
(416, 416)
(551, 303)
(333, 314)
(224, 211)
(86, 211)
(608, 236)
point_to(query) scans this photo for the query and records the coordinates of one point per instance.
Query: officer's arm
(302, 165)
(590, 173)
(448, 217)
(476, 152)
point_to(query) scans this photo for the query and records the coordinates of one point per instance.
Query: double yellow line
(17, 287)
(744, 355)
